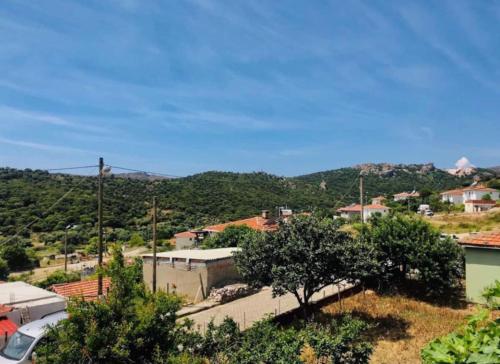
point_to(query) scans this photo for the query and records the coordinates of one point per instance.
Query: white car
(24, 342)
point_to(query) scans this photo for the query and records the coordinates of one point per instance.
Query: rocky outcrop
(389, 169)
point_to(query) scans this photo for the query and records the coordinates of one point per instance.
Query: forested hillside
(192, 201)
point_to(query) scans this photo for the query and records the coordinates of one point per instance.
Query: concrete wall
(184, 243)
(193, 280)
(482, 267)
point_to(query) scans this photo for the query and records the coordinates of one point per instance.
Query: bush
(492, 295)
(18, 257)
(479, 342)
(59, 277)
(338, 342)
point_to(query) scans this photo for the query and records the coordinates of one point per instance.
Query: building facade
(191, 273)
(482, 264)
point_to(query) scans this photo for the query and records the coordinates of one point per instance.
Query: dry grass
(402, 326)
(456, 223)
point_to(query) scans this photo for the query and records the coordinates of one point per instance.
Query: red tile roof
(486, 240)
(458, 191)
(256, 223)
(85, 289)
(7, 326)
(481, 202)
(185, 234)
(480, 188)
(5, 309)
(357, 208)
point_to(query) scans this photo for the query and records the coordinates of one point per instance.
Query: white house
(472, 193)
(479, 205)
(354, 210)
(403, 196)
(478, 193)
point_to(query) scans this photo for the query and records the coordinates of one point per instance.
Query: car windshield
(17, 346)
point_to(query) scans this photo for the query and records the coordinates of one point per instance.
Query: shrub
(59, 277)
(492, 295)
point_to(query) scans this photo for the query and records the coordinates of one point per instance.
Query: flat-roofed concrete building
(28, 302)
(191, 273)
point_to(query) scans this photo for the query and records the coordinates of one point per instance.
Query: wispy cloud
(41, 146)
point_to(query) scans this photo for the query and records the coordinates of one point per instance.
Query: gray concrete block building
(191, 273)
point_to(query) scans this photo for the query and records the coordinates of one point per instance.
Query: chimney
(265, 214)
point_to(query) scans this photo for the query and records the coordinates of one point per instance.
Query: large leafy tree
(306, 254)
(407, 246)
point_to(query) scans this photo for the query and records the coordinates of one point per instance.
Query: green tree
(406, 245)
(136, 240)
(305, 255)
(487, 197)
(231, 236)
(57, 277)
(131, 325)
(18, 257)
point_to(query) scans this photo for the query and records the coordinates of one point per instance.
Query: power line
(147, 172)
(69, 168)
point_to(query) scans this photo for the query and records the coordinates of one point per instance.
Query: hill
(196, 200)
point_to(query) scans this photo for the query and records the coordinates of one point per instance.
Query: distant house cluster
(474, 198)
(354, 211)
(192, 238)
(403, 196)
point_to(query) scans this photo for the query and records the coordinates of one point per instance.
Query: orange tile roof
(256, 223)
(5, 309)
(85, 289)
(357, 208)
(457, 191)
(7, 327)
(185, 234)
(486, 240)
(481, 202)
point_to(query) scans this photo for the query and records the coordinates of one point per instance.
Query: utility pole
(155, 207)
(99, 223)
(66, 249)
(361, 197)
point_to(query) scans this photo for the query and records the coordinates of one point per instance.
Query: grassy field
(402, 326)
(458, 223)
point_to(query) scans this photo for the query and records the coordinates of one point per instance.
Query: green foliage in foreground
(340, 341)
(57, 277)
(492, 295)
(133, 325)
(477, 343)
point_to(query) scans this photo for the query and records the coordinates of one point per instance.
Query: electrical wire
(147, 172)
(70, 168)
(51, 207)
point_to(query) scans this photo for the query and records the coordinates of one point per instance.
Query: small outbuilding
(191, 273)
(482, 263)
(28, 303)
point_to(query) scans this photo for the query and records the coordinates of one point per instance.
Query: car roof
(37, 328)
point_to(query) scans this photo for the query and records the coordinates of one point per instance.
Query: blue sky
(287, 87)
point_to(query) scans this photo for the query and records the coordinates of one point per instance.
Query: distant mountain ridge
(201, 199)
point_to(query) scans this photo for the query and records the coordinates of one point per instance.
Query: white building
(28, 302)
(472, 193)
(354, 211)
(403, 196)
(479, 205)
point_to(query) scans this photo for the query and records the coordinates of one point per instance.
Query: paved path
(245, 311)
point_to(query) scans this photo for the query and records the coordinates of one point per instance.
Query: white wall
(478, 195)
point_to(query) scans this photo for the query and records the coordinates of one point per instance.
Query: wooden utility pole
(99, 223)
(66, 249)
(155, 208)
(361, 197)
